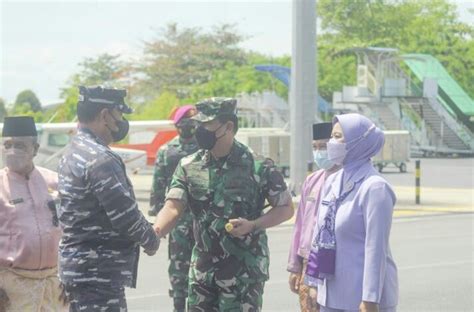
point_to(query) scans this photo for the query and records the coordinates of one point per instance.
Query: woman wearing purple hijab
(350, 266)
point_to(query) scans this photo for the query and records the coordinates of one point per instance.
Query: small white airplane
(54, 138)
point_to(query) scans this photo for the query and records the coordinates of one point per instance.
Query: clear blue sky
(42, 42)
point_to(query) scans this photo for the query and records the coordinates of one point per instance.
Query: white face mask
(336, 151)
(16, 160)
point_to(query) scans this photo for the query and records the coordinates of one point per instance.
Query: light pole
(303, 89)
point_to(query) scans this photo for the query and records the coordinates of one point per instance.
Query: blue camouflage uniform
(102, 226)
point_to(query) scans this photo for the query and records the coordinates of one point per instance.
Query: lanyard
(330, 218)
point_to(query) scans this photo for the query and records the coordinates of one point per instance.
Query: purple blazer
(365, 270)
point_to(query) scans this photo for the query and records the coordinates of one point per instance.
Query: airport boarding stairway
(444, 133)
(440, 120)
(449, 111)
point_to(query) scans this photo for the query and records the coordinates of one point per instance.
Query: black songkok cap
(19, 126)
(322, 131)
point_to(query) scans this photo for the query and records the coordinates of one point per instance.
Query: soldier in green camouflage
(223, 183)
(181, 239)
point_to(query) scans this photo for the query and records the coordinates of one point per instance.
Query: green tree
(24, 109)
(412, 26)
(180, 58)
(105, 69)
(27, 99)
(3, 110)
(243, 78)
(159, 108)
(334, 72)
(182, 65)
(66, 112)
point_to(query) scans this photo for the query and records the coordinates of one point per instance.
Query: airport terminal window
(58, 139)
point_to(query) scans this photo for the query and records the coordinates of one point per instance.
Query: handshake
(151, 250)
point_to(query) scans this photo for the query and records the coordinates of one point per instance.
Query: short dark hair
(229, 117)
(88, 112)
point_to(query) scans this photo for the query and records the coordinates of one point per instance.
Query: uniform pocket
(309, 208)
(198, 199)
(241, 204)
(198, 192)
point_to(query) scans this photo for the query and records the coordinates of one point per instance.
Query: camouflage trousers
(92, 297)
(180, 246)
(219, 297)
(214, 287)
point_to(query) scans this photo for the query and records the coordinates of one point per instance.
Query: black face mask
(207, 139)
(123, 127)
(187, 129)
(187, 132)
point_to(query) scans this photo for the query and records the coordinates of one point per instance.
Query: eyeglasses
(16, 145)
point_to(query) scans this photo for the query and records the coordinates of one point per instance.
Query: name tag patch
(16, 201)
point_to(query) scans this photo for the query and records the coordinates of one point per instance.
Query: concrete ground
(432, 244)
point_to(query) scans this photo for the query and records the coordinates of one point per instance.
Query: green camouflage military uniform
(227, 273)
(181, 239)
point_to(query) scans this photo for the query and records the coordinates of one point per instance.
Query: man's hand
(157, 230)
(294, 282)
(4, 300)
(241, 227)
(366, 306)
(150, 252)
(313, 299)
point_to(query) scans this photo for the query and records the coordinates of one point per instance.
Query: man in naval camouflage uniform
(102, 226)
(224, 184)
(181, 239)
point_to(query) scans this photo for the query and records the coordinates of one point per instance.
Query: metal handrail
(461, 130)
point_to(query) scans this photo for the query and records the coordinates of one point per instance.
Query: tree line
(181, 65)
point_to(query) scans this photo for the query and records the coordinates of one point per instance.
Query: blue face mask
(321, 159)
